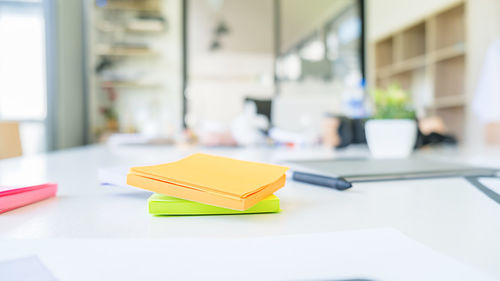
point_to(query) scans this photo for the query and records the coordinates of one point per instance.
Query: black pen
(338, 183)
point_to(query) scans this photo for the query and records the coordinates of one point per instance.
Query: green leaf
(393, 103)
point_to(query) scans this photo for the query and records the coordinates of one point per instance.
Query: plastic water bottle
(354, 101)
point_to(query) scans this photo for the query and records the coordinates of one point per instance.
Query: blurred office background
(238, 72)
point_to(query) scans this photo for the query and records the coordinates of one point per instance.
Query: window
(22, 70)
(324, 51)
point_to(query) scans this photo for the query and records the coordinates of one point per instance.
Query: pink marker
(15, 197)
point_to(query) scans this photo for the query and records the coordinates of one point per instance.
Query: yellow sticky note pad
(213, 180)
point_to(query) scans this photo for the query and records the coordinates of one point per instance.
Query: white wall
(218, 81)
(250, 34)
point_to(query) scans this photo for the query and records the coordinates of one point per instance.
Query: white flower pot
(391, 138)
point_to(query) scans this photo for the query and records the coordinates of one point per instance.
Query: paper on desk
(25, 269)
(116, 176)
(376, 254)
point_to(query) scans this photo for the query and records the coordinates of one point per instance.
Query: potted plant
(111, 118)
(392, 131)
(109, 112)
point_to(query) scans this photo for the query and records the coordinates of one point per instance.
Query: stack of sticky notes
(208, 184)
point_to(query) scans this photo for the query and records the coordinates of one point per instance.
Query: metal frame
(184, 12)
(51, 62)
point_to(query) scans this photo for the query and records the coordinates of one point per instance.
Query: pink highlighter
(15, 197)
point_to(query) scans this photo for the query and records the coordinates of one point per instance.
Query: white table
(448, 215)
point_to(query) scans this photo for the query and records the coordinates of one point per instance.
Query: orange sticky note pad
(213, 180)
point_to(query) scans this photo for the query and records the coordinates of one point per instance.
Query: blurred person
(339, 131)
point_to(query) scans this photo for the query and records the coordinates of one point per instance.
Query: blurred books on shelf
(133, 62)
(125, 49)
(130, 5)
(145, 25)
(127, 84)
(135, 25)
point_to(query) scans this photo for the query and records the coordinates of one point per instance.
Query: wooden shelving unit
(451, 101)
(385, 53)
(450, 27)
(413, 41)
(428, 59)
(134, 60)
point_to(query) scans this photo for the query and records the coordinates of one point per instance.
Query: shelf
(450, 101)
(450, 27)
(108, 28)
(384, 53)
(128, 85)
(413, 41)
(131, 9)
(420, 61)
(449, 77)
(403, 79)
(115, 29)
(147, 31)
(447, 53)
(403, 66)
(454, 120)
(124, 53)
(150, 6)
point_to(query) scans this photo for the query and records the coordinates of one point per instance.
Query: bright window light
(313, 51)
(22, 67)
(22, 71)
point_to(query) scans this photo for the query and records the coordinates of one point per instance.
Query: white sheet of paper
(491, 183)
(24, 269)
(116, 176)
(375, 254)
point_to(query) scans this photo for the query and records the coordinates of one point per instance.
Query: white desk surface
(449, 215)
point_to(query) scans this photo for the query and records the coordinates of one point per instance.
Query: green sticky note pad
(160, 204)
